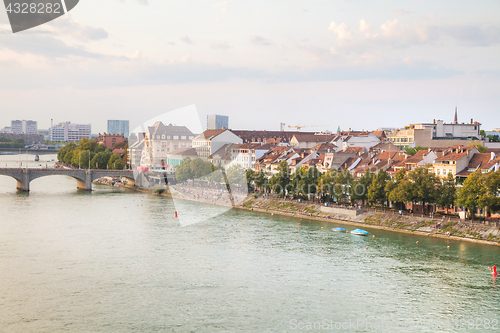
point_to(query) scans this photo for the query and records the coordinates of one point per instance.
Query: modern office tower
(118, 127)
(215, 121)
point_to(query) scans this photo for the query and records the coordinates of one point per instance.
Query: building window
(438, 171)
(163, 136)
(158, 137)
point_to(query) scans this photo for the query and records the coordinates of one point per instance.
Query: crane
(298, 127)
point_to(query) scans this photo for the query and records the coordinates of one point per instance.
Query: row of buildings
(61, 132)
(449, 150)
(68, 132)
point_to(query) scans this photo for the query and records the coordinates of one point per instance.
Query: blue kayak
(338, 229)
(359, 232)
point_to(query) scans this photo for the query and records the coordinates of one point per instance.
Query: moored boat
(339, 229)
(359, 232)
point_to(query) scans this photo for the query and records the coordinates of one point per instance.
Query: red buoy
(494, 273)
(175, 213)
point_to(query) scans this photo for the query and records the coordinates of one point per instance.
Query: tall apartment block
(23, 126)
(69, 132)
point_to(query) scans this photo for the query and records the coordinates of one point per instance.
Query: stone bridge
(84, 177)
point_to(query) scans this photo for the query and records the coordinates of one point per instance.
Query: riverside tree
(101, 159)
(491, 197)
(236, 175)
(183, 171)
(78, 154)
(423, 187)
(377, 192)
(308, 181)
(280, 181)
(250, 174)
(115, 162)
(200, 168)
(261, 181)
(472, 193)
(325, 185)
(447, 192)
(396, 189)
(359, 189)
(342, 183)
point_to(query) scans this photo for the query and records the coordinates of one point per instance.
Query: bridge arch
(84, 177)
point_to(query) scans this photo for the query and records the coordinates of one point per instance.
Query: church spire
(455, 121)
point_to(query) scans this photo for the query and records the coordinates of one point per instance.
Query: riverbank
(417, 225)
(463, 230)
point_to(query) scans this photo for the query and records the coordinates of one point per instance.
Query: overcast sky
(353, 64)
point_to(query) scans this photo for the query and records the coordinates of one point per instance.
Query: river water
(114, 260)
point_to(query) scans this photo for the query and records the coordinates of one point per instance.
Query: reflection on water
(118, 261)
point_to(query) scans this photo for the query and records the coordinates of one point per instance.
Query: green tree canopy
(447, 192)
(200, 168)
(236, 175)
(359, 190)
(472, 193)
(183, 171)
(100, 160)
(377, 192)
(424, 187)
(479, 146)
(115, 162)
(280, 181)
(398, 187)
(491, 198)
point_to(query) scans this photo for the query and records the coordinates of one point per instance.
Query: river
(114, 260)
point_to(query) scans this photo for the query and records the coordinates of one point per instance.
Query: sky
(319, 63)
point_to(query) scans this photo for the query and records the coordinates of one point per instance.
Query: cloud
(186, 39)
(139, 71)
(393, 34)
(71, 27)
(223, 5)
(45, 46)
(315, 53)
(219, 45)
(258, 40)
(220, 4)
(471, 35)
(342, 31)
(142, 2)
(363, 26)
(400, 11)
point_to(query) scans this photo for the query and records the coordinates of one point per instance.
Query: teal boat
(359, 232)
(338, 229)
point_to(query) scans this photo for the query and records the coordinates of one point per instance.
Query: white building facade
(160, 140)
(69, 132)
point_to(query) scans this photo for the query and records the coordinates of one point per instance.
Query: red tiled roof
(303, 137)
(208, 134)
(353, 149)
(451, 157)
